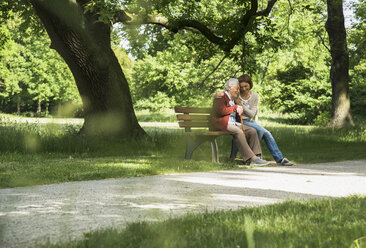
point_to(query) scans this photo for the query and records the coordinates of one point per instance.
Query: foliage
(123, 57)
(124, 60)
(181, 73)
(292, 66)
(296, 91)
(30, 72)
(223, 17)
(156, 103)
(286, 56)
(337, 222)
(357, 44)
(25, 12)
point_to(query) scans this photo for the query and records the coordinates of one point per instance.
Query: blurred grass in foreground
(39, 153)
(332, 223)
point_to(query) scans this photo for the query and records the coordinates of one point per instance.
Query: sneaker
(259, 162)
(285, 162)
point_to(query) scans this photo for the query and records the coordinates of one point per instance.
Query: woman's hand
(238, 102)
(239, 110)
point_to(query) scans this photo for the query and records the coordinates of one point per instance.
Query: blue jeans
(268, 138)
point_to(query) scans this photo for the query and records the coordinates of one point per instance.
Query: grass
(37, 153)
(33, 154)
(45, 169)
(316, 223)
(312, 144)
(163, 116)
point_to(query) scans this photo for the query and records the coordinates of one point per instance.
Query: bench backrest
(190, 117)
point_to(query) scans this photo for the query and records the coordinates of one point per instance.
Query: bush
(156, 103)
(358, 90)
(297, 91)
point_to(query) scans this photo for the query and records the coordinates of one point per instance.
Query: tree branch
(173, 25)
(176, 25)
(247, 20)
(267, 10)
(218, 65)
(323, 42)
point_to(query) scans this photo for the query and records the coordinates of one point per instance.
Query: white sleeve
(253, 106)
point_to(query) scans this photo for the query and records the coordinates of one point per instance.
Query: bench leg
(215, 151)
(192, 144)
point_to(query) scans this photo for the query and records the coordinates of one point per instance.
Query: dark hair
(246, 79)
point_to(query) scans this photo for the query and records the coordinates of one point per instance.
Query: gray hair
(230, 83)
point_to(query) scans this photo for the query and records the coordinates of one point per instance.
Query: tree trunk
(341, 107)
(46, 112)
(18, 105)
(39, 108)
(84, 43)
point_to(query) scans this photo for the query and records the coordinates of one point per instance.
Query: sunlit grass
(37, 153)
(316, 223)
(24, 170)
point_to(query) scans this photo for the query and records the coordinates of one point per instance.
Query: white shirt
(232, 118)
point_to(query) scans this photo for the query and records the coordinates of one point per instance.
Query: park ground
(60, 157)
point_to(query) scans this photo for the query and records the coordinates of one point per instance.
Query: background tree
(80, 33)
(339, 75)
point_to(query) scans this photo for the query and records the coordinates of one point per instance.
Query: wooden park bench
(199, 119)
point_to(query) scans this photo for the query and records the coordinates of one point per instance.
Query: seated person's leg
(272, 146)
(252, 139)
(256, 126)
(254, 143)
(241, 142)
(274, 150)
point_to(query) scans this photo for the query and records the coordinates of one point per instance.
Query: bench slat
(193, 124)
(183, 117)
(179, 109)
(211, 133)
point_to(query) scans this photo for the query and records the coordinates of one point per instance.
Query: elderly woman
(226, 117)
(249, 100)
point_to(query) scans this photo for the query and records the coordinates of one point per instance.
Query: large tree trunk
(341, 107)
(84, 43)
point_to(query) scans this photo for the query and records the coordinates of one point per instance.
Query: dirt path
(31, 215)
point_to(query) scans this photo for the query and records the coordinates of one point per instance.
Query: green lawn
(32, 154)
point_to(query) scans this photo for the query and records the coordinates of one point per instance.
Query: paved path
(64, 211)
